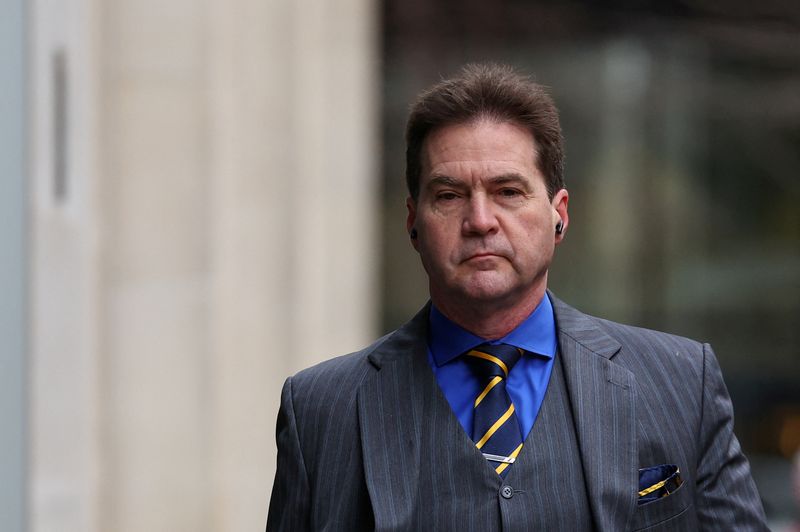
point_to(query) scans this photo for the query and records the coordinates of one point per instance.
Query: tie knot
(494, 360)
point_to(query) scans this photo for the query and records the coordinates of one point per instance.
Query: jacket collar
(403, 343)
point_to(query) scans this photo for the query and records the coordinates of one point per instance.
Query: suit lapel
(602, 395)
(390, 404)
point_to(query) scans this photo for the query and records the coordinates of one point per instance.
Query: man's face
(486, 228)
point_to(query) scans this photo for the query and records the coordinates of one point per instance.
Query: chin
(487, 291)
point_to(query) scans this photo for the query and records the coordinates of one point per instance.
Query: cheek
(438, 247)
(437, 230)
(530, 229)
(532, 240)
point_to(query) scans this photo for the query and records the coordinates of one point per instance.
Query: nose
(479, 218)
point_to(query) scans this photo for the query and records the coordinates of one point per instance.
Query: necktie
(495, 429)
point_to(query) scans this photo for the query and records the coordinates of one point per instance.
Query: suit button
(507, 492)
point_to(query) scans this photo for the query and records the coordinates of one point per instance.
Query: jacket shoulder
(337, 371)
(659, 340)
(634, 347)
(662, 357)
(349, 370)
(587, 328)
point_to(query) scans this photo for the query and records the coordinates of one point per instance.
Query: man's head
(494, 92)
(483, 213)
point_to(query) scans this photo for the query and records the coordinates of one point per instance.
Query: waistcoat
(544, 490)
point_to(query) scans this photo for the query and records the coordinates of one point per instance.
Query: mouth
(482, 255)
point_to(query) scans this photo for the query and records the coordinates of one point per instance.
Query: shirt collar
(537, 334)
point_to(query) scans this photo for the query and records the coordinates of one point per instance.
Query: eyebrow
(508, 178)
(448, 181)
(444, 180)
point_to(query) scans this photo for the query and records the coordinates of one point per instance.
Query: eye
(446, 195)
(510, 192)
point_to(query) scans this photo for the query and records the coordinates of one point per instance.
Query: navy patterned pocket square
(658, 481)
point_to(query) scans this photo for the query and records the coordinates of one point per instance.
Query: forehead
(478, 148)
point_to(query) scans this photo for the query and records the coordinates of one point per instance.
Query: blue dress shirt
(527, 381)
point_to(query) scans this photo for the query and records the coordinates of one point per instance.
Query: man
(499, 407)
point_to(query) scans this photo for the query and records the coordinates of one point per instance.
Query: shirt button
(507, 492)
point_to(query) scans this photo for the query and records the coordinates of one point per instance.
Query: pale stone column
(64, 415)
(156, 387)
(294, 258)
(220, 235)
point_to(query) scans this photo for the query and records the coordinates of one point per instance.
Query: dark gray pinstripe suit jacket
(351, 435)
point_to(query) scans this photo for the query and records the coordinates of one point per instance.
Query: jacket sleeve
(727, 498)
(289, 505)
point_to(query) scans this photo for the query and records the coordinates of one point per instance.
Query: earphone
(413, 233)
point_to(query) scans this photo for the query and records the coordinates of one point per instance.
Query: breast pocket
(673, 512)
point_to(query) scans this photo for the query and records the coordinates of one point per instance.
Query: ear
(560, 212)
(411, 219)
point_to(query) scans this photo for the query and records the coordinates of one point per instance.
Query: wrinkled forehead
(480, 145)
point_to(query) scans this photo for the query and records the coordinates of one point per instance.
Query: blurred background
(198, 199)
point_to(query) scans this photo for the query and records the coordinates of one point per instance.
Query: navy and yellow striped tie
(495, 429)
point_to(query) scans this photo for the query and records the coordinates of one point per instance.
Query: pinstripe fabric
(319, 412)
(355, 453)
(549, 472)
(457, 489)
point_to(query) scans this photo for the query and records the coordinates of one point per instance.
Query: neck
(490, 319)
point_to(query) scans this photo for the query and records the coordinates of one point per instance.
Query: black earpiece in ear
(413, 234)
(560, 227)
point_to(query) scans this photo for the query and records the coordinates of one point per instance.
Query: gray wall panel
(13, 375)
